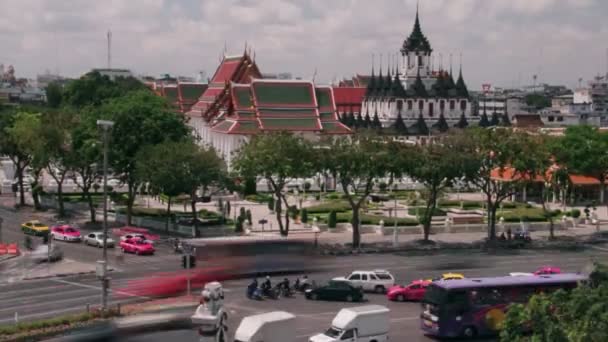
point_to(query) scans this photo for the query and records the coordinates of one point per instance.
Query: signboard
(486, 87)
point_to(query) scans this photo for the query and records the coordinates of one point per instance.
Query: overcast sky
(503, 42)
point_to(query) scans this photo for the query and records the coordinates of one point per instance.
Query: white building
(415, 92)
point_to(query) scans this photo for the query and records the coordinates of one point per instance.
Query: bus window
(457, 302)
(488, 296)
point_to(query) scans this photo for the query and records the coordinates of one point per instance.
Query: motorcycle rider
(253, 286)
(267, 287)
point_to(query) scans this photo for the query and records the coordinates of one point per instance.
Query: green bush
(333, 196)
(248, 215)
(422, 211)
(332, 219)
(337, 206)
(509, 205)
(250, 187)
(293, 211)
(576, 213)
(304, 215)
(271, 203)
(259, 198)
(238, 226)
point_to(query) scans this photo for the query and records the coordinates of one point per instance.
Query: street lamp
(106, 126)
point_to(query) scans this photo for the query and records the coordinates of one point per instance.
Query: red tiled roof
(509, 174)
(348, 95)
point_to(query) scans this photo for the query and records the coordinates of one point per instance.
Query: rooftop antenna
(450, 64)
(314, 75)
(109, 49)
(440, 62)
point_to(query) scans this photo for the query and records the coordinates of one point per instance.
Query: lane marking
(98, 288)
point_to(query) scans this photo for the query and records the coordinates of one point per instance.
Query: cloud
(499, 39)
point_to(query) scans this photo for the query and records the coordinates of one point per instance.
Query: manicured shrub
(576, 213)
(332, 220)
(304, 215)
(248, 214)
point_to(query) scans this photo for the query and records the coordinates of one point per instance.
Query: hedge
(180, 199)
(158, 212)
(346, 217)
(421, 211)
(337, 206)
(259, 198)
(456, 204)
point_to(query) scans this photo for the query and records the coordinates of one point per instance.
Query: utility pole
(106, 126)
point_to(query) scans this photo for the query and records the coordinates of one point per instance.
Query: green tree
(54, 95)
(93, 89)
(84, 159)
(355, 162)
(249, 218)
(462, 123)
(278, 158)
(55, 133)
(441, 125)
(579, 315)
(483, 121)
(10, 147)
(537, 101)
(176, 168)
(434, 166)
(250, 186)
(486, 155)
(583, 150)
(141, 119)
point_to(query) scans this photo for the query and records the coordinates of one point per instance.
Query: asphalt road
(51, 297)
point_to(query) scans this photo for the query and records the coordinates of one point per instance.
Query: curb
(12, 256)
(63, 275)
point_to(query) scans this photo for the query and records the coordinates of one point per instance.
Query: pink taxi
(65, 232)
(414, 291)
(137, 246)
(548, 270)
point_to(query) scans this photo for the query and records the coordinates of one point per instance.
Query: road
(50, 297)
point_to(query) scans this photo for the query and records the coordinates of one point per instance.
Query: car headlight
(308, 290)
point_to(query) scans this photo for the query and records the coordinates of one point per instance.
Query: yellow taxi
(34, 227)
(449, 276)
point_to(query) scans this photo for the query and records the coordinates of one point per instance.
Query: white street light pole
(106, 126)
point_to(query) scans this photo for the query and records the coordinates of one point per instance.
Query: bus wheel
(469, 332)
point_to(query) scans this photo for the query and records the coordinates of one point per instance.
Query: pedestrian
(509, 233)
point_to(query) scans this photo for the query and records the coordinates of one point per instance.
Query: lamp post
(106, 126)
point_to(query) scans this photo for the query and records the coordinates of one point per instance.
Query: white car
(96, 239)
(378, 281)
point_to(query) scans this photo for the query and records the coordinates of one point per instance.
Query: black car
(336, 290)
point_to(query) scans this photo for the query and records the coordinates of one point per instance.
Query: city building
(239, 103)
(598, 91)
(415, 92)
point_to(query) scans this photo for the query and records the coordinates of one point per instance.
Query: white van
(369, 323)
(277, 326)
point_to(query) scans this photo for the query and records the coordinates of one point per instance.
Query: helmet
(267, 277)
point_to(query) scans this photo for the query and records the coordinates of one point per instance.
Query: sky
(502, 42)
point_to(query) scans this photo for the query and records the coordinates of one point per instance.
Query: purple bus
(476, 306)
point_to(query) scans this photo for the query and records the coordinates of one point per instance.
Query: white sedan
(96, 239)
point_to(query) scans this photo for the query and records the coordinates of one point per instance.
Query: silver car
(96, 239)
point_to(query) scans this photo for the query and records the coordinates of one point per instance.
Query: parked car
(336, 290)
(137, 246)
(448, 276)
(378, 281)
(541, 271)
(414, 291)
(34, 227)
(65, 232)
(96, 239)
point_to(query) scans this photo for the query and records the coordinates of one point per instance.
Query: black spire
(372, 82)
(418, 87)
(388, 83)
(367, 123)
(376, 122)
(420, 127)
(441, 125)
(397, 88)
(416, 41)
(399, 125)
(359, 123)
(461, 87)
(379, 83)
(462, 123)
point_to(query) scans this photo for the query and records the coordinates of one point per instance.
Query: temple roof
(280, 105)
(241, 69)
(417, 40)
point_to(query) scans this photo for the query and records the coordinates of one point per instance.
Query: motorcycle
(302, 285)
(285, 292)
(254, 293)
(271, 293)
